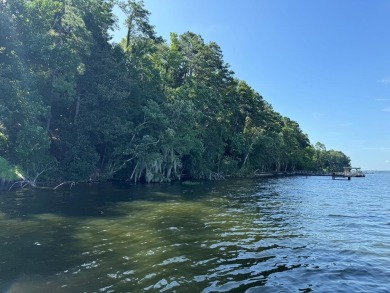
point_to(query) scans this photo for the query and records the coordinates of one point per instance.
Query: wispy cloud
(386, 109)
(385, 80)
(345, 124)
(382, 100)
(377, 148)
(317, 114)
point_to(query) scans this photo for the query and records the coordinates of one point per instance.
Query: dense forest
(76, 106)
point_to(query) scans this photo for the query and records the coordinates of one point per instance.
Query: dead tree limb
(26, 181)
(72, 183)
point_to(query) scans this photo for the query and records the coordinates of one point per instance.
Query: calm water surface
(265, 235)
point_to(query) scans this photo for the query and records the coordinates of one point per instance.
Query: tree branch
(72, 183)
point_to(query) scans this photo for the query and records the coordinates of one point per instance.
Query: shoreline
(6, 185)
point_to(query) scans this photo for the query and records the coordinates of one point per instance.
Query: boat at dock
(349, 172)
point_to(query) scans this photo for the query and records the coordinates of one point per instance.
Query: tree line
(150, 110)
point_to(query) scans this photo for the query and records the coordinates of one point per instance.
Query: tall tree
(137, 22)
(24, 140)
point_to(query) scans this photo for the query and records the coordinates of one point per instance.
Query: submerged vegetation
(143, 110)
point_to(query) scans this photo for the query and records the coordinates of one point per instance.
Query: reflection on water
(289, 234)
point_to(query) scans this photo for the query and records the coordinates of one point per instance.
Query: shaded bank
(5, 185)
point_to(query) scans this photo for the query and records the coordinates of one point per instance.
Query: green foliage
(32, 141)
(7, 172)
(80, 162)
(144, 110)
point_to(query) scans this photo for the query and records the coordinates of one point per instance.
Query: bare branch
(21, 182)
(132, 174)
(24, 183)
(40, 173)
(72, 183)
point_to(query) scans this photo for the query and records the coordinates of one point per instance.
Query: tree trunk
(49, 112)
(76, 114)
(48, 118)
(247, 154)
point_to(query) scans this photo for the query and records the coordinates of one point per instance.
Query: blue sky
(323, 63)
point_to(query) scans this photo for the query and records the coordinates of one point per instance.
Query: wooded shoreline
(78, 107)
(15, 185)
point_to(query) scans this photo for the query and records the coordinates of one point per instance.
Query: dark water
(266, 235)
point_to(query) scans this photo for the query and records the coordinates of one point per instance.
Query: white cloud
(385, 80)
(387, 161)
(386, 109)
(382, 100)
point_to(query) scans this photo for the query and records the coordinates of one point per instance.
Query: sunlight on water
(162, 244)
(290, 234)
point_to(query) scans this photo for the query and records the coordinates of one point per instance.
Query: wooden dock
(349, 172)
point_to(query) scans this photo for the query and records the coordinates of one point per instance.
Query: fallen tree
(30, 181)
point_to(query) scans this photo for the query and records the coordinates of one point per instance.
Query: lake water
(291, 234)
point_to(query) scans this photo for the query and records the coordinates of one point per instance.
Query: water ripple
(273, 235)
